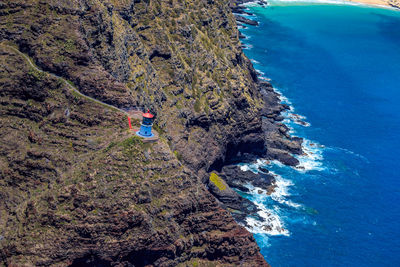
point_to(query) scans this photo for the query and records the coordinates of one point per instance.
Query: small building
(145, 127)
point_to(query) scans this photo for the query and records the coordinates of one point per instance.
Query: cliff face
(76, 187)
(181, 59)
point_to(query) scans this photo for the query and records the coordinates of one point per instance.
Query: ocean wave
(350, 152)
(248, 46)
(254, 167)
(250, 4)
(248, 16)
(281, 192)
(273, 206)
(279, 195)
(311, 159)
(296, 118)
(288, 123)
(272, 224)
(247, 37)
(283, 99)
(264, 78)
(259, 72)
(253, 60)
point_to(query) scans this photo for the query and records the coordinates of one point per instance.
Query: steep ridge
(76, 187)
(68, 84)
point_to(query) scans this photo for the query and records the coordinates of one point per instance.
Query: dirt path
(69, 84)
(135, 114)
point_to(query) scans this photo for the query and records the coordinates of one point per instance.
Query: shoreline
(378, 3)
(254, 177)
(391, 4)
(240, 7)
(306, 192)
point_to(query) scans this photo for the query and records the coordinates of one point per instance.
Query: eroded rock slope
(76, 187)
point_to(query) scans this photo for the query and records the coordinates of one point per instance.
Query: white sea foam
(297, 118)
(288, 123)
(254, 167)
(281, 191)
(264, 78)
(280, 194)
(250, 4)
(272, 224)
(260, 73)
(283, 99)
(254, 61)
(312, 157)
(248, 46)
(248, 16)
(310, 160)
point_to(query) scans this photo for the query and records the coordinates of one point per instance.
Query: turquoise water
(339, 66)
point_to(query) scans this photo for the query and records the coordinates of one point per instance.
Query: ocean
(338, 66)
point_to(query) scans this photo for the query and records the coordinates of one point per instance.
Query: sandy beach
(390, 3)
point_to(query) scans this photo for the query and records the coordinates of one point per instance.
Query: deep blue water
(339, 66)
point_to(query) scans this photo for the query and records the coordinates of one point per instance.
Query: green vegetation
(131, 141)
(177, 155)
(111, 145)
(207, 107)
(37, 75)
(69, 45)
(158, 128)
(197, 105)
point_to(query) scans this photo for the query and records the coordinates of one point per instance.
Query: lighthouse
(145, 127)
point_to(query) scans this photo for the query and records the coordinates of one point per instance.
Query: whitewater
(337, 65)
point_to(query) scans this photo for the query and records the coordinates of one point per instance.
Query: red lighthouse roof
(148, 115)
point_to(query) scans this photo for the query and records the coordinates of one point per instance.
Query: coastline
(378, 3)
(393, 4)
(254, 177)
(241, 13)
(352, 12)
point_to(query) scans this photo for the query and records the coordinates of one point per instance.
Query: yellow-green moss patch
(217, 181)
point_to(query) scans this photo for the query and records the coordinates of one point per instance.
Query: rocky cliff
(76, 187)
